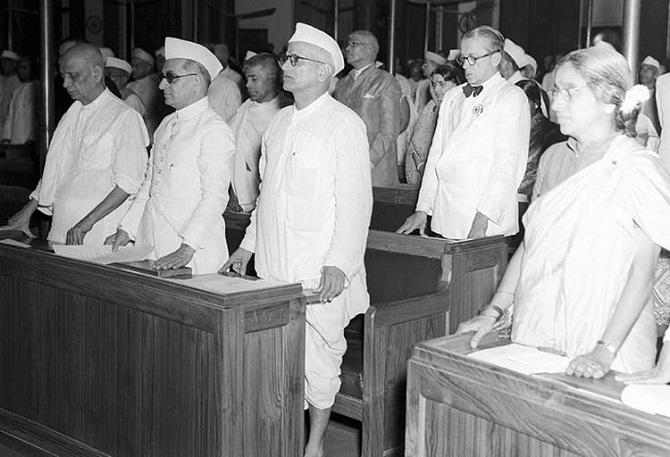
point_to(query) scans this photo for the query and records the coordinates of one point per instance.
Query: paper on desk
(14, 243)
(650, 398)
(523, 359)
(103, 253)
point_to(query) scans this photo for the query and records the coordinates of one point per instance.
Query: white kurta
(250, 122)
(477, 160)
(94, 148)
(314, 210)
(663, 106)
(134, 101)
(581, 238)
(21, 123)
(185, 190)
(224, 97)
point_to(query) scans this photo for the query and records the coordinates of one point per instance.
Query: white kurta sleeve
(428, 190)
(249, 241)
(130, 153)
(215, 165)
(510, 156)
(353, 200)
(131, 221)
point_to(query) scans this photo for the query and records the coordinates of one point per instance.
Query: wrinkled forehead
(306, 50)
(474, 46)
(256, 70)
(173, 65)
(567, 77)
(359, 38)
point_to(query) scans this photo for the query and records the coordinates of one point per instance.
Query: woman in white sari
(581, 281)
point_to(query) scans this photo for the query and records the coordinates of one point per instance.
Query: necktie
(472, 90)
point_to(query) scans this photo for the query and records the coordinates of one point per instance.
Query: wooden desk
(461, 407)
(133, 365)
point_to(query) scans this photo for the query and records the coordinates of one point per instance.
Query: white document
(14, 243)
(103, 253)
(523, 359)
(650, 398)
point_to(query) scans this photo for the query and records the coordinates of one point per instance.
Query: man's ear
(98, 73)
(325, 72)
(496, 58)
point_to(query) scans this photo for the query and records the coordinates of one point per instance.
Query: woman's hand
(594, 365)
(481, 325)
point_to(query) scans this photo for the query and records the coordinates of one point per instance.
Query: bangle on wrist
(608, 347)
(499, 311)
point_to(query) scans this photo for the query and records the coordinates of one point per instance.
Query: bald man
(96, 159)
(311, 221)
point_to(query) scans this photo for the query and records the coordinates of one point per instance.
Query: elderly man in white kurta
(313, 213)
(96, 159)
(179, 207)
(251, 121)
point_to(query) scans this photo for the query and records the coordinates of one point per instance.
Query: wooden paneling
(462, 407)
(134, 365)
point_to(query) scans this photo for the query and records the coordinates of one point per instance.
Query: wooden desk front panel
(134, 367)
(463, 408)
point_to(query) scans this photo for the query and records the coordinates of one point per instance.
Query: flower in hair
(635, 97)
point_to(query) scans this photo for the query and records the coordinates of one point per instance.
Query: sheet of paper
(221, 284)
(523, 359)
(14, 243)
(651, 398)
(103, 253)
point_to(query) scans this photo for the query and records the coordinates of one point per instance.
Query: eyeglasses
(472, 60)
(170, 77)
(566, 94)
(354, 44)
(294, 58)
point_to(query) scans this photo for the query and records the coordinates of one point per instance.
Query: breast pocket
(304, 193)
(97, 151)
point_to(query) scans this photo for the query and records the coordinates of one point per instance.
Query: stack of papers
(650, 398)
(103, 253)
(523, 359)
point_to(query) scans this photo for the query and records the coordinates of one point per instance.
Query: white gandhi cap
(141, 54)
(176, 48)
(649, 60)
(307, 34)
(516, 52)
(115, 62)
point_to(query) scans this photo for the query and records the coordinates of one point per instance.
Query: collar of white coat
(193, 110)
(309, 109)
(491, 82)
(99, 100)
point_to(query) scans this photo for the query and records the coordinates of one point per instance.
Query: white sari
(580, 242)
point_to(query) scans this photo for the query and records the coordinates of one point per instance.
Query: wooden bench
(393, 205)
(420, 288)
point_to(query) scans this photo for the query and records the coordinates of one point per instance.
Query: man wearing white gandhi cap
(179, 206)
(119, 71)
(312, 216)
(145, 85)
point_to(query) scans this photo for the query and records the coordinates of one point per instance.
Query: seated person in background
(96, 159)
(444, 78)
(543, 133)
(580, 282)
(178, 210)
(263, 76)
(479, 151)
(374, 95)
(118, 70)
(21, 124)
